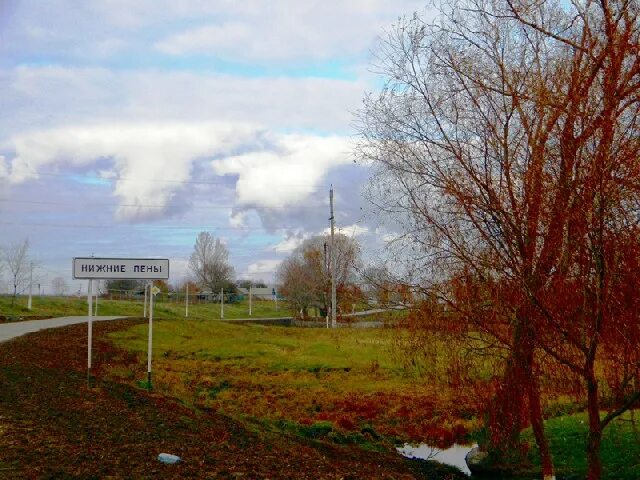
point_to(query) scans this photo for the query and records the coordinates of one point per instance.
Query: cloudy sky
(129, 127)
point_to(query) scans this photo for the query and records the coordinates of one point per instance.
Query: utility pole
(30, 285)
(324, 289)
(332, 261)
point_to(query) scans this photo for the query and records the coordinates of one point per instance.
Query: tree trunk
(594, 439)
(537, 424)
(509, 404)
(520, 384)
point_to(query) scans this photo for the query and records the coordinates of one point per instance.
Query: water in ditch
(453, 455)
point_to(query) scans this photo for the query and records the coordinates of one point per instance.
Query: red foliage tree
(506, 138)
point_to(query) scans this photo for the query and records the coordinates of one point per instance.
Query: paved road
(12, 330)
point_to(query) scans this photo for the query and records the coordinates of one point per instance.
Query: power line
(147, 226)
(145, 205)
(74, 176)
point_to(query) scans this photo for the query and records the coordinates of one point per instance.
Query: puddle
(453, 456)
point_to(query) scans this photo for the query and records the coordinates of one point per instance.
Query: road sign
(120, 268)
(92, 268)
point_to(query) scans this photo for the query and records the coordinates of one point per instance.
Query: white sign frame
(94, 268)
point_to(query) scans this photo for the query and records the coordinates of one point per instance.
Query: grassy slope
(260, 371)
(304, 375)
(115, 431)
(620, 446)
(349, 377)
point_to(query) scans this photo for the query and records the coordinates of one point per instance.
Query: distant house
(261, 293)
(209, 296)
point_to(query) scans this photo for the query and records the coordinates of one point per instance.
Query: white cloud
(286, 174)
(354, 230)
(293, 31)
(179, 269)
(4, 171)
(263, 269)
(251, 30)
(237, 219)
(152, 160)
(291, 241)
(38, 97)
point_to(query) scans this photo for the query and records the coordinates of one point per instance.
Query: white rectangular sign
(120, 268)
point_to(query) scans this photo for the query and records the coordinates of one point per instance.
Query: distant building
(261, 293)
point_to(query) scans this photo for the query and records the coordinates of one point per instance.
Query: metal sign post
(150, 345)
(144, 313)
(91, 268)
(90, 330)
(30, 286)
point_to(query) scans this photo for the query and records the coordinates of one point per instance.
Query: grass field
(346, 383)
(62, 306)
(349, 377)
(620, 446)
(115, 430)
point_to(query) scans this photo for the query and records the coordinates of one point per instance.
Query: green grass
(620, 446)
(270, 347)
(287, 375)
(64, 306)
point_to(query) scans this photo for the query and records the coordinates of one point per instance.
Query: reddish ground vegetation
(53, 426)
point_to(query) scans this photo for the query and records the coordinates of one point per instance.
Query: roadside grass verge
(53, 426)
(349, 377)
(346, 386)
(46, 307)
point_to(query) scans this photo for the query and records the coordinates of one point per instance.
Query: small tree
(378, 285)
(59, 286)
(305, 278)
(17, 259)
(209, 263)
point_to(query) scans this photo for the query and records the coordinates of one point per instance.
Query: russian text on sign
(120, 268)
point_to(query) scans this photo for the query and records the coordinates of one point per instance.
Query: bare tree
(2, 265)
(209, 263)
(59, 286)
(506, 138)
(304, 276)
(16, 257)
